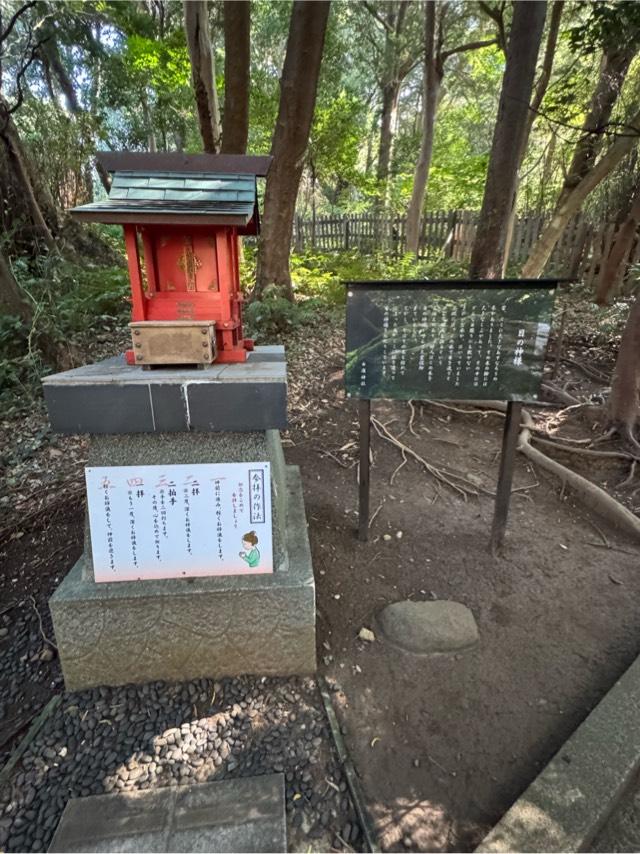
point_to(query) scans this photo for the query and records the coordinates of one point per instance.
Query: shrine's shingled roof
(150, 196)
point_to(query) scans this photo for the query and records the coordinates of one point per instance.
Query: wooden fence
(450, 234)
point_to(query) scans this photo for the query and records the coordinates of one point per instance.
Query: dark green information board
(480, 340)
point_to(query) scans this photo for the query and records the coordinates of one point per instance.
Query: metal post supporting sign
(364, 418)
(505, 475)
(445, 340)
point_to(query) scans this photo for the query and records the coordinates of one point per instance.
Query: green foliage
(319, 285)
(608, 26)
(270, 319)
(73, 303)
(164, 65)
(336, 135)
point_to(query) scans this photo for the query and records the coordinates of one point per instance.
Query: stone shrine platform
(186, 628)
(180, 628)
(243, 815)
(113, 397)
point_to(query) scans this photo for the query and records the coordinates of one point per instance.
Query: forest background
(391, 109)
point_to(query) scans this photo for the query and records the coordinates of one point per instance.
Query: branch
(5, 35)
(465, 47)
(408, 65)
(549, 54)
(497, 16)
(373, 11)
(5, 110)
(600, 130)
(401, 16)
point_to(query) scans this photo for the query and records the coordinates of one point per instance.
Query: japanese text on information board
(152, 522)
(438, 340)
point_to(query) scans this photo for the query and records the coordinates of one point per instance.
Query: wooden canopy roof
(174, 188)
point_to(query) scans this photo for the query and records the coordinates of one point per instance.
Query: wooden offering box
(174, 342)
(182, 216)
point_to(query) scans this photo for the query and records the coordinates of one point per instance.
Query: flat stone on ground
(428, 627)
(247, 814)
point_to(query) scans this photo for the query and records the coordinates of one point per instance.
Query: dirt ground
(443, 744)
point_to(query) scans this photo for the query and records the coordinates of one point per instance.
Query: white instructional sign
(151, 522)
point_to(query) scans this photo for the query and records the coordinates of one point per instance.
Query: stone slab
(243, 815)
(113, 397)
(429, 627)
(133, 449)
(179, 629)
(567, 805)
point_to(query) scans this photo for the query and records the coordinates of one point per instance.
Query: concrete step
(241, 815)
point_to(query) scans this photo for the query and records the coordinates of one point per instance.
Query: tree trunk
(298, 87)
(625, 385)
(11, 298)
(203, 76)
(511, 126)
(612, 75)
(431, 89)
(237, 58)
(571, 201)
(390, 95)
(21, 178)
(538, 96)
(613, 267)
(152, 144)
(614, 67)
(103, 174)
(51, 58)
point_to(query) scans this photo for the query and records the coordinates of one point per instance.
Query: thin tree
(203, 74)
(511, 126)
(625, 384)
(586, 171)
(431, 80)
(298, 88)
(16, 170)
(399, 54)
(435, 57)
(614, 264)
(237, 57)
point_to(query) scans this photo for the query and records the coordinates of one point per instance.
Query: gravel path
(29, 669)
(153, 735)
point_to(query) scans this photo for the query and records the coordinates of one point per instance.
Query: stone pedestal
(183, 628)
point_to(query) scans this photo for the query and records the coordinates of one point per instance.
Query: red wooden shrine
(188, 273)
(182, 217)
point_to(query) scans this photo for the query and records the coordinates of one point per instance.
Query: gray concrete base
(113, 397)
(241, 815)
(179, 629)
(568, 803)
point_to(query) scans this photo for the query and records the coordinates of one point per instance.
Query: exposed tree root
(587, 452)
(592, 495)
(455, 481)
(625, 431)
(559, 393)
(629, 478)
(587, 370)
